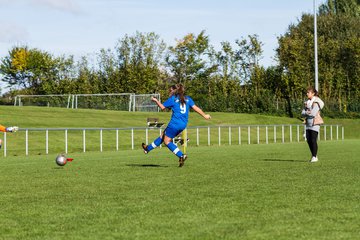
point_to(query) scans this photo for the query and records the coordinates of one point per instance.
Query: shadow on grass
(281, 160)
(146, 165)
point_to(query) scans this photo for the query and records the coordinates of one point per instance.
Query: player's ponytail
(180, 92)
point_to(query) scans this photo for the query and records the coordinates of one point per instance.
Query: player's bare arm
(154, 99)
(199, 111)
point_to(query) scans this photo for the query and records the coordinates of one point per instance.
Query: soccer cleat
(144, 146)
(12, 129)
(314, 159)
(182, 160)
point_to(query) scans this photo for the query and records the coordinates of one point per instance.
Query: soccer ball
(61, 160)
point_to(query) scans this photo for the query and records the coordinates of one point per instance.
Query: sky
(83, 27)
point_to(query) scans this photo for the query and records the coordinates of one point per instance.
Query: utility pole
(315, 49)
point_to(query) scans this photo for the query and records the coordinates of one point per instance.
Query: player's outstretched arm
(199, 111)
(154, 99)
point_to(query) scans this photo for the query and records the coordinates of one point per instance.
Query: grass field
(228, 192)
(256, 191)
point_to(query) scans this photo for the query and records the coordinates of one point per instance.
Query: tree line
(229, 79)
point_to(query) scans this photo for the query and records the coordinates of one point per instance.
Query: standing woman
(311, 111)
(180, 106)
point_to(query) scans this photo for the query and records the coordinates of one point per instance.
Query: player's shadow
(281, 160)
(146, 165)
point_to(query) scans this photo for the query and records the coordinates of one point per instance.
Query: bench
(154, 122)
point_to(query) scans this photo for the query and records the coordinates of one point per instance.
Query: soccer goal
(108, 101)
(143, 103)
(54, 100)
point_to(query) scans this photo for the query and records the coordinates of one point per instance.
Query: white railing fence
(38, 141)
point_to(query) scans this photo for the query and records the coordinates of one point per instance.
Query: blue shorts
(172, 132)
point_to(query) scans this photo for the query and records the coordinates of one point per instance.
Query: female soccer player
(180, 106)
(7, 129)
(310, 111)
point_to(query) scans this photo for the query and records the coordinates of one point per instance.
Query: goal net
(143, 103)
(55, 100)
(107, 101)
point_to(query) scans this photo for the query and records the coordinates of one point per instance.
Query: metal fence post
(84, 141)
(229, 135)
(266, 135)
(47, 141)
(27, 142)
(160, 135)
(297, 133)
(274, 133)
(5, 149)
(66, 141)
(331, 132)
(117, 139)
(101, 140)
(239, 135)
(219, 136)
(197, 137)
(132, 138)
(208, 136)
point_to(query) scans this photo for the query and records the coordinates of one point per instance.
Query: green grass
(228, 192)
(42, 117)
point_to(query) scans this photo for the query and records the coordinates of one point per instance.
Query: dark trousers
(311, 137)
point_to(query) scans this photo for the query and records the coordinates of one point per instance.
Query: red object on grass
(69, 159)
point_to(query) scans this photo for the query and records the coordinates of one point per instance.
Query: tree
(35, 71)
(187, 60)
(140, 62)
(337, 7)
(338, 38)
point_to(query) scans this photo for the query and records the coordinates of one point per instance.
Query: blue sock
(174, 149)
(155, 144)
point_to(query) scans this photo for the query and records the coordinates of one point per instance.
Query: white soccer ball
(61, 160)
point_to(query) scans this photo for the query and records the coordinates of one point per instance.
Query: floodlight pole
(315, 49)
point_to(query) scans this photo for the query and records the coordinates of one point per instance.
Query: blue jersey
(180, 112)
